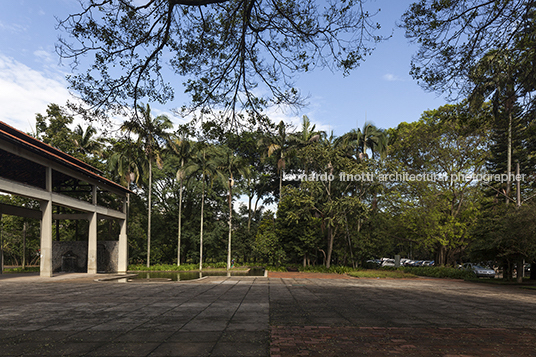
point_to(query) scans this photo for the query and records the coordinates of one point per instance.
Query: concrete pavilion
(35, 170)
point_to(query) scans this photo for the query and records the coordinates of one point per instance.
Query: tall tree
(454, 35)
(281, 144)
(440, 196)
(224, 48)
(152, 135)
(230, 167)
(203, 164)
(182, 147)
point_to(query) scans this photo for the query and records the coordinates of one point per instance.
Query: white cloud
(13, 28)
(392, 78)
(24, 92)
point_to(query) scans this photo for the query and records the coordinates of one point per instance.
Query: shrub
(437, 272)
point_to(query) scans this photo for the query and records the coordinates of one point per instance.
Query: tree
(361, 141)
(202, 163)
(306, 136)
(229, 166)
(223, 48)
(281, 144)
(182, 147)
(454, 35)
(84, 141)
(53, 129)
(442, 200)
(152, 136)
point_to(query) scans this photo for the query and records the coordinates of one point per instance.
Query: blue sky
(380, 90)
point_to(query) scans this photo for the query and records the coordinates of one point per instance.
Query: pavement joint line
(207, 288)
(229, 320)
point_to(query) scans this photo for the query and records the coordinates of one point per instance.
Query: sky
(380, 90)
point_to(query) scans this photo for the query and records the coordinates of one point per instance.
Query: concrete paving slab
(222, 316)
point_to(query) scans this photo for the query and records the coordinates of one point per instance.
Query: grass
(183, 267)
(20, 270)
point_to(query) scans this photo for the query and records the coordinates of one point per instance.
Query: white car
(388, 263)
(479, 271)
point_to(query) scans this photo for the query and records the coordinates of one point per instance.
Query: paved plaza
(282, 315)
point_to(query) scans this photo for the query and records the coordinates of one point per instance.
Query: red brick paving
(326, 341)
(302, 275)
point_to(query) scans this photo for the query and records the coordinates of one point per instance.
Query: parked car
(479, 271)
(403, 261)
(388, 263)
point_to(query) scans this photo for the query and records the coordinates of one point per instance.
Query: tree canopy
(229, 52)
(454, 35)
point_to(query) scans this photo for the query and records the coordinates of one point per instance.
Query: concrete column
(92, 239)
(46, 229)
(92, 244)
(122, 261)
(1, 249)
(46, 239)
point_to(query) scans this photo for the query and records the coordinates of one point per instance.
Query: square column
(92, 244)
(122, 261)
(46, 229)
(46, 239)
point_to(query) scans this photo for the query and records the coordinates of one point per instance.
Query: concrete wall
(107, 255)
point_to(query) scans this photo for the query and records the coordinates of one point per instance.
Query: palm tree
(279, 143)
(228, 164)
(182, 147)
(84, 142)
(305, 137)
(152, 135)
(361, 141)
(125, 161)
(202, 163)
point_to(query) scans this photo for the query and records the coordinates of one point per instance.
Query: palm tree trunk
(230, 225)
(180, 219)
(149, 214)
(201, 234)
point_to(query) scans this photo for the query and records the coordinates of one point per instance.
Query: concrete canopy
(33, 169)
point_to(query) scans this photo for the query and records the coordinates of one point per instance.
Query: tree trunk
(520, 270)
(201, 234)
(230, 224)
(149, 214)
(509, 159)
(330, 247)
(180, 218)
(250, 198)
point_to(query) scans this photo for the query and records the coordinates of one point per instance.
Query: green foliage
(335, 269)
(21, 270)
(173, 267)
(454, 35)
(437, 212)
(276, 268)
(436, 272)
(267, 244)
(381, 274)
